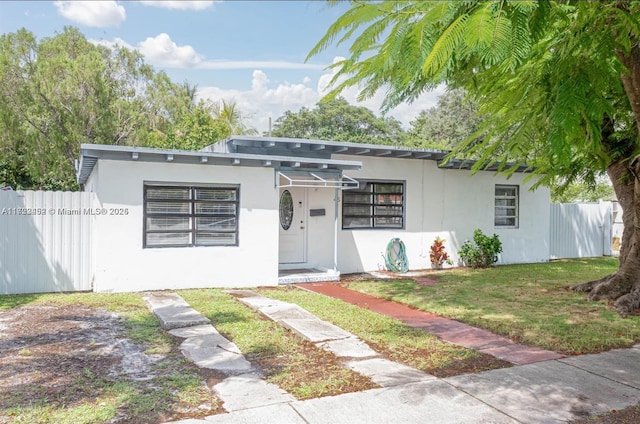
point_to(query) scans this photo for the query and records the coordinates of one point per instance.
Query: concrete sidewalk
(552, 391)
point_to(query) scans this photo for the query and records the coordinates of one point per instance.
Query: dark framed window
(182, 216)
(375, 204)
(506, 206)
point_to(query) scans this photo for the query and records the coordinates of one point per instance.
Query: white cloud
(180, 4)
(161, 50)
(265, 99)
(92, 13)
(117, 42)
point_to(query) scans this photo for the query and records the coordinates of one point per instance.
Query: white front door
(293, 223)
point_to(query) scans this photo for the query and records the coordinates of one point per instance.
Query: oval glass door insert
(286, 210)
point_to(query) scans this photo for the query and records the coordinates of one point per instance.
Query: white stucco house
(251, 211)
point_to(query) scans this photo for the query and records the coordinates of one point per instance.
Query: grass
(528, 303)
(93, 396)
(296, 366)
(388, 336)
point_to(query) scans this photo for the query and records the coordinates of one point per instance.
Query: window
(373, 205)
(506, 206)
(190, 216)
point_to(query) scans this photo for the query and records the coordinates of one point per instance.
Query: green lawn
(389, 336)
(528, 303)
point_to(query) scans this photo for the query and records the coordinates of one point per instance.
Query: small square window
(506, 206)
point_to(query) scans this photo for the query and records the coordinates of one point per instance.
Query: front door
(292, 225)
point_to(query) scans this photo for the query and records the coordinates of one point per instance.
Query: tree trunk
(623, 287)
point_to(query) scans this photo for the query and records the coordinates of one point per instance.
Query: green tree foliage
(447, 125)
(558, 83)
(580, 191)
(338, 120)
(456, 118)
(63, 91)
(195, 130)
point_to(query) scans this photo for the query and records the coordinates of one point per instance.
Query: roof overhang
(91, 153)
(320, 148)
(326, 149)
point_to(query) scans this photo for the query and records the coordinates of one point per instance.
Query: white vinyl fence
(45, 241)
(580, 230)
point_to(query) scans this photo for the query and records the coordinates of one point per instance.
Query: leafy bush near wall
(483, 252)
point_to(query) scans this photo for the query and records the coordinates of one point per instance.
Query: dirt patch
(630, 415)
(68, 356)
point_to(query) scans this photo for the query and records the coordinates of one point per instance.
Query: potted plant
(438, 255)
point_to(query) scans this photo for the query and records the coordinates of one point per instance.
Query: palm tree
(228, 112)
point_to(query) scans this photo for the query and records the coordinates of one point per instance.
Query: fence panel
(45, 241)
(580, 230)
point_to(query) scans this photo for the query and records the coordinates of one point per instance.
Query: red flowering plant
(438, 254)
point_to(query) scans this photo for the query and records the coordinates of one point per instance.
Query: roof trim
(299, 146)
(328, 148)
(90, 153)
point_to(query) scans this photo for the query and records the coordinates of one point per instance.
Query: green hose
(395, 258)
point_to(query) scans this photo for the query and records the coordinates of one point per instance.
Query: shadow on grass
(259, 351)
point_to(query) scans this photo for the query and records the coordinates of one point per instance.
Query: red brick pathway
(448, 330)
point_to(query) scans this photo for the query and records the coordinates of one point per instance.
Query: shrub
(483, 252)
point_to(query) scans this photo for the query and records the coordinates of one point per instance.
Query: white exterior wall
(450, 204)
(122, 264)
(470, 204)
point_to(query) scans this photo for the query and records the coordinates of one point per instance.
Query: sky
(251, 52)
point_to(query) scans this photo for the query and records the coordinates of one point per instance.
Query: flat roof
(300, 146)
(273, 152)
(327, 148)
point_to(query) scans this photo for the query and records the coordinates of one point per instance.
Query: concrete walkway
(244, 386)
(361, 358)
(552, 391)
(448, 330)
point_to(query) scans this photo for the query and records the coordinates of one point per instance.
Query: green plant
(483, 252)
(438, 255)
